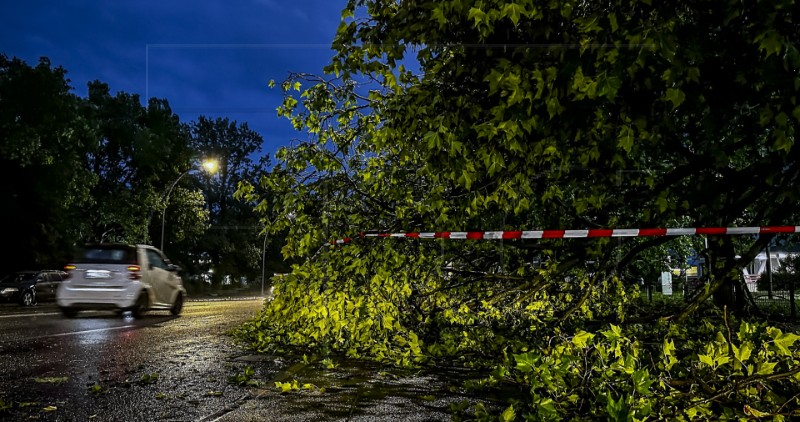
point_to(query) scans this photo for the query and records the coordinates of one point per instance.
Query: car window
(155, 259)
(106, 254)
(12, 278)
(20, 277)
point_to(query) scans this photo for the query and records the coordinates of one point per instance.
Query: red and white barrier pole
(572, 234)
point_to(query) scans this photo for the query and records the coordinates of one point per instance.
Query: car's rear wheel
(28, 298)
(140, 306)
(177, 306)
(69, 312)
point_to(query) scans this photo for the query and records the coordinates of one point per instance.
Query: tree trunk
(723, 266)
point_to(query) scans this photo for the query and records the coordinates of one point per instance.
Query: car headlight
(9, 290)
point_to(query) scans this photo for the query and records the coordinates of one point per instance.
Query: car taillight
(135, 272)
(68, 269)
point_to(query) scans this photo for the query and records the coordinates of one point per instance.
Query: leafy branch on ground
(527, 115)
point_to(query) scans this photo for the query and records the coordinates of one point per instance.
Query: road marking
(41, 314)
(29, 315)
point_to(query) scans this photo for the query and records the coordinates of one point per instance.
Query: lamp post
(210, 165)
(264, 261)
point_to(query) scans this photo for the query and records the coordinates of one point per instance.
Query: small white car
(134, 278)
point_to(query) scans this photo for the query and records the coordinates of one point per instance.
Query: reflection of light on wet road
(191, 354)
(78, 333)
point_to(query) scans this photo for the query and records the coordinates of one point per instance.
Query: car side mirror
(174, 268)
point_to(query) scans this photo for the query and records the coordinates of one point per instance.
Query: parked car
(133, 278)
(29, 287)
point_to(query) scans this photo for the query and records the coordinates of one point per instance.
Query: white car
(133, 278)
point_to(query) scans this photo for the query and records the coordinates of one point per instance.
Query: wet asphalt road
(102, 366)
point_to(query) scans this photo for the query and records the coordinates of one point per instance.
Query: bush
(781, 280)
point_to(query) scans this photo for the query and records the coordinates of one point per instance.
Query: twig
(750, 380)
(728, 327)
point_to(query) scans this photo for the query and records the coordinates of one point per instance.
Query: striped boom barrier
(577, 234)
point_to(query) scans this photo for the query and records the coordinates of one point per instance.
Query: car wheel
(28, 298)
(177, 306)
(69, 312)
(140, 307)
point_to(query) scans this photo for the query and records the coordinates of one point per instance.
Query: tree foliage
(138, 152)
(100, 168)
(450, 115)
(232, 246)
(42, 135)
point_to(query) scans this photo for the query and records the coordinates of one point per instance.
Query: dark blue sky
(210, 58)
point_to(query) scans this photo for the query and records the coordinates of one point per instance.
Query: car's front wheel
(28, 298)
(177, 306)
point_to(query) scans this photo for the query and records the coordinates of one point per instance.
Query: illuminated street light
(210, 165)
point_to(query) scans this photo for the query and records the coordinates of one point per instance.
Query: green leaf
(783, 341)
(706, 359)
(612, 19)
(676, 96)
(615, 333)
(617, 410)
(581, 338)
(642, 381)
(766, 368)
(477, 15)
(554, 107)
(625, 139)
(508, 415)
(771, 42)
(742, 353)
(669, 354)
(608, 86)
(525, 361)
(547, 408)
(433, 140)
(438, 15)
(513, 12)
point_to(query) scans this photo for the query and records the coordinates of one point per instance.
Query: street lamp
(210, 165)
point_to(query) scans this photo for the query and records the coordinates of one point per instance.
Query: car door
(55, 279)
(159, 277)
(42, 286)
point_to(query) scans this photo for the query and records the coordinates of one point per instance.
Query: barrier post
(792, 303)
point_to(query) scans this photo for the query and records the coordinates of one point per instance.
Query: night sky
(212, 58)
